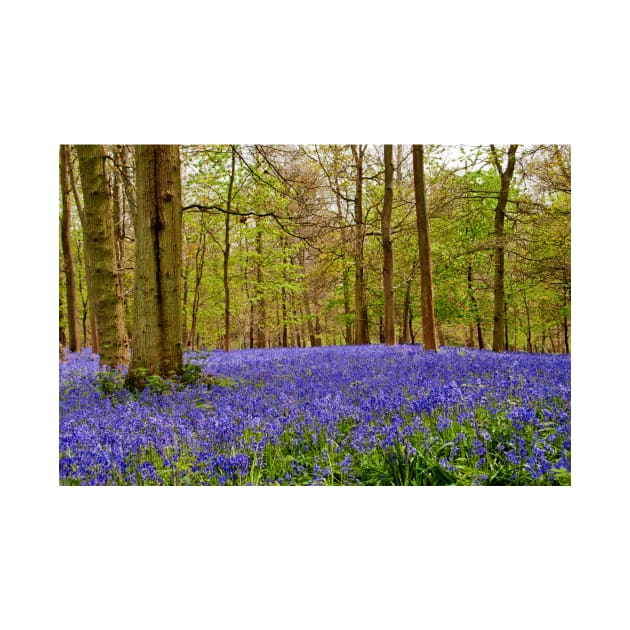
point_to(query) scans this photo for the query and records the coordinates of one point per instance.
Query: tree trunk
(475, 308)
(499, 342)
(118, 218)
(185, 306)
(361, 332)
(157, 346)
(407, 304)
(411, 333)
(389, 330)
(565, 320)
(429, 339)
(84, 302)
(505, 325)
(347, 311)
(91, 301)
(124, 157)
(200, 256)
(529, 326)
(66, 245)
(99, 245)
(226, 253)
(261, 327)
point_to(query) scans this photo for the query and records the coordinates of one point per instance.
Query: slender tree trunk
(411, 333)
(361, 331)
(226, 252)
(429, 339)
(565, 319)
(309, 322)
(407, 303)
(84, 302)
(284, 339)
(66, 245)
(399, 163)
(389, 329)
(347, 311)
(405, 314)
(185, 306)
(505, 325)
(200, 256)
(118, 219)
(124, 160)
(475, 308)
(529, 325)
(157, 345)
(99, 242)
(261, 329)
(499, 342)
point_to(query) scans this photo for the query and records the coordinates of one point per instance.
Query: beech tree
(66, 244)
(361, 331)
(498, 337)
(98, 229)
(389, 330)
(156, 341)
(429, 339)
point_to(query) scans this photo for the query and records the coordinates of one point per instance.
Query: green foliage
(109, 382)
(397, 466)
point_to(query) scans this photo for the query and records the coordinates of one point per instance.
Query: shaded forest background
(284, 245)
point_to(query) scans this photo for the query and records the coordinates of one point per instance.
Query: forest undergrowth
(338, 415)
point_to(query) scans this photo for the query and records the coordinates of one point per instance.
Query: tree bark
(261, 325)
(498, 338)
(118, 218)
(475, 308)
(157, 345)
(429, 338)
(99, 245)
(226, 252)
(66, 245)
(127, 172)
(200, 256)
(389, 330)
(87, 266)
(361, 331)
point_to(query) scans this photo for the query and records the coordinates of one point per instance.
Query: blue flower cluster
(318, 416)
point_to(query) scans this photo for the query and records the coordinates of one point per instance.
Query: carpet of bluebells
(354, 415)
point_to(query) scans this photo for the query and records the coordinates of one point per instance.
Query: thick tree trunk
(66, 245)
(157, 345)
(361, 331)
(99, 245)
(429, 339)
(499, 342)
(91, 301)
(389, 330)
